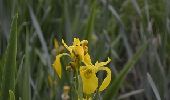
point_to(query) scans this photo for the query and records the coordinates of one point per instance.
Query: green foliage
(25, 75)
(90, 21)
(153, 87)
(113, 89)
(114, 28)
(9, 68)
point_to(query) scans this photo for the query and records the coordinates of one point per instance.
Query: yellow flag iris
(78, 51)
(89, 79)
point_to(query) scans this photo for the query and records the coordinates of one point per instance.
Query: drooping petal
(87, 59)
(107, 80)
(89, 79)
(100, 64)
(57, 64)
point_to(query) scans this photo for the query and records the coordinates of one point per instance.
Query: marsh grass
(117, 29)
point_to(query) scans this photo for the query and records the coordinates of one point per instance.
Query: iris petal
(66, 46)
(97, 64)
(76, 42)
(87, 59)
(79, 51)
(89, 79)
(84, 42)
(57, 64)
(107, 80)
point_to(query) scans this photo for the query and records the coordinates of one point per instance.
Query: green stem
(79, 82)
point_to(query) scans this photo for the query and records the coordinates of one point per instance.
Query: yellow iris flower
(78, 49)
(89, 79)
(88, 72)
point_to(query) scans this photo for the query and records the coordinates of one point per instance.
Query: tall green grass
(114, 28)
(9, 63)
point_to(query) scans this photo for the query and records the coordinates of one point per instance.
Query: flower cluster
(81, 62)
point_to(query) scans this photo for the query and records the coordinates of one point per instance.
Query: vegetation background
(114, 28)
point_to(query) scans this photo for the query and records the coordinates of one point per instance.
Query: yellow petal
(87, 59)
(107, 80)
(89, 79)
(79, 51)
(76, 42)
(97, 64)
(84, 45)
(57, 64)
(84, 42)
(66, 46)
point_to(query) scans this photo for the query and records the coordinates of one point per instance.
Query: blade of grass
(76, 22)
(67, 21)
(154, 88)
(2, 60)
(113, 89)
(26, 93)
(41, 38)
(136, 6)
(124, 96)
(122, 29)
(116, 15)
(90, 21)
(9, 68)
(19, 70)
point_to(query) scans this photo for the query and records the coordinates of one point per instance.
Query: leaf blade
(9, 68)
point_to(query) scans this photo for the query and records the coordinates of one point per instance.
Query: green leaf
(9, 68)
(113, 89)
(90, 21)
(26, 94)
(137, 8)
(11, 95)
(154, 88)
(2, 60)
(41, 38)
